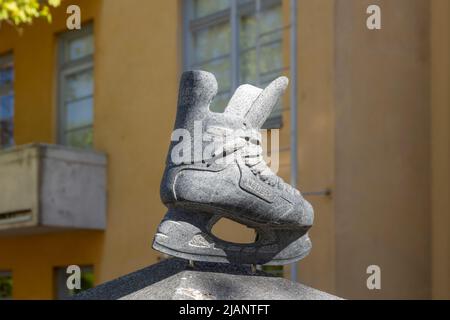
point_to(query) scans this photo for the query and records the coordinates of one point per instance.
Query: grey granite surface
(174, 279)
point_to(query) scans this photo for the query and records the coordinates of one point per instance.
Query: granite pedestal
(174, 279)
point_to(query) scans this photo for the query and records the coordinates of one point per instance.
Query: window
(6, 101)
(6, 285)
(61, 276)
(76, 89)
(239, 41)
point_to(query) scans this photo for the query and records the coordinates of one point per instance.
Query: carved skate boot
(217, 170)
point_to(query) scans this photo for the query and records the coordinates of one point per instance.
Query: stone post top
(174, 279)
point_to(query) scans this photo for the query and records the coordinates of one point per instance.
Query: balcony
(47, 188)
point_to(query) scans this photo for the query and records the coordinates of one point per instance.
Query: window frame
(60, 276)
(231, 15)
(5, 59)
(8, 273)
(66, 68)
(8, 89)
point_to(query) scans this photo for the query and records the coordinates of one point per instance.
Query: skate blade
(188, 236)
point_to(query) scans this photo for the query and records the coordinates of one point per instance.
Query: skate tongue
(242, 100)
(265, 102)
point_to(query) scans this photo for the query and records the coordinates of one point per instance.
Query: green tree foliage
(24, 11)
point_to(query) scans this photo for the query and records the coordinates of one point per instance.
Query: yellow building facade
(373, 129)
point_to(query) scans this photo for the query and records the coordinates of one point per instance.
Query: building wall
(382, 150)
(136, 75)
(440, 157)
(136, 95)
(316, 135)
(373, 127)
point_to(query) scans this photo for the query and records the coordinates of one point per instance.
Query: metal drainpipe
(234, 21)
(258, 40)
(293, 98)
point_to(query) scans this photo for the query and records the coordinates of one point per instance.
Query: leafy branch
(17, 12)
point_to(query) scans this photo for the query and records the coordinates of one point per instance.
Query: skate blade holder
(188, 235)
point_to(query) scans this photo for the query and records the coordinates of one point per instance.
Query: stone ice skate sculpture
(231, 180)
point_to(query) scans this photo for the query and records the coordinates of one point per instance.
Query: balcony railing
(48, 187)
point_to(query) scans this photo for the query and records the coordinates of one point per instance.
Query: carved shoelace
(246, 144)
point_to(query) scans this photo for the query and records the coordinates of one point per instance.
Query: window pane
(80, 47)
(270, 20)
(6, 285)
(76, 88)
(6, 74)
(221, 70)
(79, 114)
(6, 120)
(206, 7)
(270, 58)
(269, 64)
(61, 276)
(78, 85)
(79, 138)
(220, 102)
(211, 43)
(7, 107)
(248, 70)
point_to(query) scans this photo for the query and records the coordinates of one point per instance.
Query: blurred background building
(371, 135)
